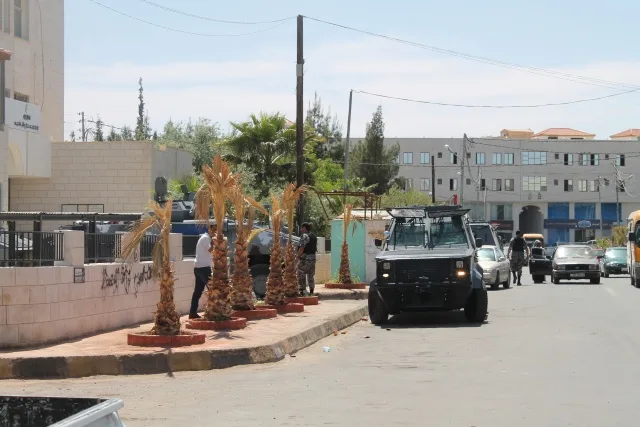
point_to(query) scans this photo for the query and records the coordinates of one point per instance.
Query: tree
(276, 292)
(397, 197)
(155, 135)
(372, 161)
(198, 139)
(72, 136)
(113, 135)
(141, 131)
(328, 127)
(166, 318)
(99, 135)
(290, 199)
(127, 133)
(147, 127)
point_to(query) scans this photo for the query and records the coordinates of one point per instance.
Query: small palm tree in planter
(242, 292)
(166, 328)
(276, 292)
(344, 273)
(219, 183)
(290, 199)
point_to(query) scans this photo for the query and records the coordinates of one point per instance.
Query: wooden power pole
(299, 117)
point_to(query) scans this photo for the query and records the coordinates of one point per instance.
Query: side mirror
(631, 236)
(378, 242)
(479, 243)
(502, 259)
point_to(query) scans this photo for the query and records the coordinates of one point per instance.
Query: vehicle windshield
(574, 252)
(616, 253)
(408, 232)
(484, 232)
(598, 252)
(416, 233)
(549, 251)
(447, 231)
(486, 254)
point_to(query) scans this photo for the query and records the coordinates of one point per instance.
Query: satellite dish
(160, 188)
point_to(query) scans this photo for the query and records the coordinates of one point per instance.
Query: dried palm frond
(348, 218)
(290, 198)
(275, 286)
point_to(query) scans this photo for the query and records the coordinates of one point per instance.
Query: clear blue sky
(226, 78)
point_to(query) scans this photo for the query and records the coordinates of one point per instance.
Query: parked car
(483, 230)
(614, 262)
(575, 262)
(540, 263)
(495, 267)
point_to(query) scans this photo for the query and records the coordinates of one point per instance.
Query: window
(534, 183)
(496, 158)
(408, 184)
(568, 159)
(509, 184)
(425, 158)
(497, 185)
(453, 158)
(594, 185)
(439, 155)
(21, 18)
(555, 182)
(453, 184)
(468, 155)
(398, 159)
(583, 159)
(620, 160)
(7, 18)
(605, 182)
(479, 158)
(568, 185)
(501, 212)
(508, 158)
(606, 157)
(468, 181)
(407, 158)
(556, 156)
(20, 97)
(425, 184)
(439, 181)
(595, 159)
(534, 157)
(582, 185)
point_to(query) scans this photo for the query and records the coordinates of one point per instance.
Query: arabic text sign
(22, 116)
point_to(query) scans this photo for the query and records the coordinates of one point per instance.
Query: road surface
(550, 355)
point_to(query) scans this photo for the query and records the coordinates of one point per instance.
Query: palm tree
(290, 199)
(219, 184)
(242, 292)
(166, 319)
(345, 270)
(275, 286)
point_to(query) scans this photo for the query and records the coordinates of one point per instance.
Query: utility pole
(299, 118)
(600, 203)
(346, 149)
(84, 137)
(464, 157)
(433, 180)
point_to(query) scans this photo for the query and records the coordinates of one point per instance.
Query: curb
(168, 361)
(333, 294)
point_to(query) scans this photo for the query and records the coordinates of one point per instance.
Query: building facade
(34, 89)
(563, 189)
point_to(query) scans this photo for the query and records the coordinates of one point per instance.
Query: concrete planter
(218, 325)
(149, 340)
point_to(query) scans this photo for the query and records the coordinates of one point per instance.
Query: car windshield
(409, 232)
(574, 252)
(549, 251)
(416, 233)
(486, 254)
(447, 231)
(616, 253)
(484, 232)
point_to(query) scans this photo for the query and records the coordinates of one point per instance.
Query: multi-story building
(564, 188)
(34, 89)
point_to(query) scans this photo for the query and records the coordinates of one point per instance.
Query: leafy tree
(155, 135)
(99, 135)
(397, 197)
(199, 139)
(72, 136)
(372, 161)
(140, 123)
(127, 133)
(328, 127)
(113, 135)
(147, 127)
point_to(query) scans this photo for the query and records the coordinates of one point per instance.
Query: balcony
(29, 149)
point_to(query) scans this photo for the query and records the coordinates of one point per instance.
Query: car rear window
(486, 254)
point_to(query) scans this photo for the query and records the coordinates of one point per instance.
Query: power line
(550, 104)
(205, 18)
(504, 64)
(183, 31)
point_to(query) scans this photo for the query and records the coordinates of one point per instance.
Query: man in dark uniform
(307, 249)
(516, 254)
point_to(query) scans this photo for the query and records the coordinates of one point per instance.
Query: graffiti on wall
(123, 277)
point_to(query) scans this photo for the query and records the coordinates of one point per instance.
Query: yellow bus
(633, 248)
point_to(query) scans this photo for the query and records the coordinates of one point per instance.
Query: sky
(226, 78)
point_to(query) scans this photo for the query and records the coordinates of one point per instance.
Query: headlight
(593, 267)
(561, 267)
(386, 266)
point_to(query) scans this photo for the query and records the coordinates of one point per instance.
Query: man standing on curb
(201, 269)
(307, 249)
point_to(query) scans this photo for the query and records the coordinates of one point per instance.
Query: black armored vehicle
(428, 263)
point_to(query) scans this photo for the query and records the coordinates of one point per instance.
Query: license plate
(577, 274)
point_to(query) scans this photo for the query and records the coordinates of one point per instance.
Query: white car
(495, 266)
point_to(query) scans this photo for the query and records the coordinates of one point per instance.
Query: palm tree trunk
(167, 320)
(218, 289)
(242, 292)
(275, 286)
(345, 270)
(290, 278)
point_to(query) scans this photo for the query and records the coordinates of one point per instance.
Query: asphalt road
(549, 355)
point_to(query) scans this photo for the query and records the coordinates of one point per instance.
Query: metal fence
(30, 248)
(107, 247)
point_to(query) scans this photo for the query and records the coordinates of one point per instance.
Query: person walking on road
(517, 257)
(201, 269)
(306, 269)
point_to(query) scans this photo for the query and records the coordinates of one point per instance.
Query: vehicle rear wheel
(260, 273)
(507, 283)
(595, 281)
(495, 285)
(555, 280)
(477, 306)
(378, 312)
(538, 278)
(605, 273)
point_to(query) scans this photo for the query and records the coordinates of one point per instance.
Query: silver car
(495, 266)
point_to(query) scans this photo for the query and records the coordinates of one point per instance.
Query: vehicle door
(503, 264)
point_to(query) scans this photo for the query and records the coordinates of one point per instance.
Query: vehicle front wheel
(555, 280)
(605, 272)
(477, 306)
(495, 285)
(595, 281)
(507, 283)
(378, 312)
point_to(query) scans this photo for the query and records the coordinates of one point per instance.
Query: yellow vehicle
(633, 248)
(530, 238)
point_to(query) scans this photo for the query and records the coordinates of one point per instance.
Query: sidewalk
(262, 341)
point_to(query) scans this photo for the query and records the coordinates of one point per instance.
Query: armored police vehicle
(428, 263)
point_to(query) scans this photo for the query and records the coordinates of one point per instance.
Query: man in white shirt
(201, 269)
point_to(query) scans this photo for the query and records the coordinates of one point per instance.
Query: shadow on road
(440, 319)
